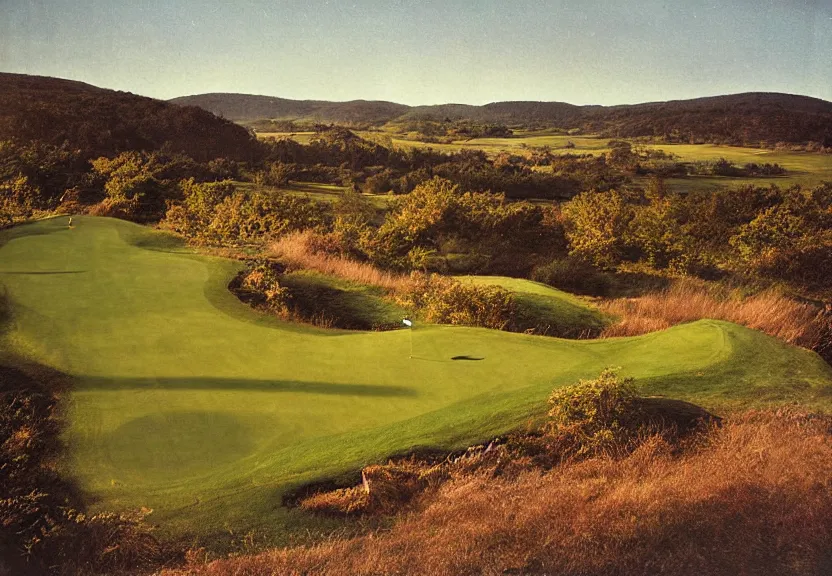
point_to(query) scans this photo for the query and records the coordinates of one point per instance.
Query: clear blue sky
(579, 51)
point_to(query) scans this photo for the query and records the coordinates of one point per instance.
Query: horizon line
(696, 97)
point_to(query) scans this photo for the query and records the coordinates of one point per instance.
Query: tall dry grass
(779, 316)
(304, 250)
(756, 499)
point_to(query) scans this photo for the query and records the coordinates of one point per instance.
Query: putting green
(188, 402)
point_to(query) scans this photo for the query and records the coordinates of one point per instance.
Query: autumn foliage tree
(596, 226)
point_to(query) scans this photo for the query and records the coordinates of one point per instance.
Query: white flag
(407, 322)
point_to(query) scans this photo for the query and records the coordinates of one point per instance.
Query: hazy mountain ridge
(746, 117)
(106, 121)
(242, 107)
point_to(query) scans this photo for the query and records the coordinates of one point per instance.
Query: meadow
(189, 403)
(804, 168)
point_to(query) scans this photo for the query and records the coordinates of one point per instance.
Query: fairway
(803, 168)
(189, 403)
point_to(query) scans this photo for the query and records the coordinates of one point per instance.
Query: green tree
(132, 179)
(596, 226)
(658, 234)
(791, 240)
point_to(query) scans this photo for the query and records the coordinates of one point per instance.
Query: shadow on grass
(153, 240)
(40, 272)
(40, 228)
(5, 309)
(202, 383)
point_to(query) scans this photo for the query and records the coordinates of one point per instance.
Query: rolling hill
(242, 107)
(102, 122)
(739, 118)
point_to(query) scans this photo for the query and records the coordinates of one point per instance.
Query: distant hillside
(738, 118)
(106, 122)
(510, 113)
(243, 107)
(741, 118)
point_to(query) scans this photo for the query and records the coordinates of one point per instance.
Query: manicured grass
(552, 311)
(803, 168)
(190, 403)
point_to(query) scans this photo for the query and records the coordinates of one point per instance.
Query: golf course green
(188, 402)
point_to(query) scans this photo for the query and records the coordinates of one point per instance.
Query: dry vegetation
(305, 250)
(754, 497)
(777, 315)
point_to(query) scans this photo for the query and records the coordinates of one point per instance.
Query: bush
(262, 286)
(446, 301)
(117, 208)
(572, 275)
(599, 416)
(596, 226)
(385, 489)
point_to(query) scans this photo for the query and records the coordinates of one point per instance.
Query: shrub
(791, 240)
(262, 285)
(250, 218)
(596, 226)
(123, 208)
(657, 233)
(599, 416)
(446, 301)
(384, 489)
(17, 198)
(138, 178)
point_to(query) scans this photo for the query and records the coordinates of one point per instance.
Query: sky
(428, 52)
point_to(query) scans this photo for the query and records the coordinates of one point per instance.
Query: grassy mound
(547, 310)
(190, 403)
(328, 300)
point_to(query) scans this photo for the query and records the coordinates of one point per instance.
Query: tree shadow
(40, 228)
(116, 384)
(467, 358)
(40, 272)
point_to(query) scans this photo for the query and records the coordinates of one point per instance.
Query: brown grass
(301, 250)
(779, 316)
(384, 489)
(756, 498)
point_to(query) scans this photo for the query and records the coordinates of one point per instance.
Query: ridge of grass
(547, 310)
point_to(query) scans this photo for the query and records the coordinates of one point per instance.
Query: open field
(803, 168)
(319, 192)
(300, 137)
(188, 402)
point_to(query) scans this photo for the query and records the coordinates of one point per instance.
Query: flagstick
(407, 322)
